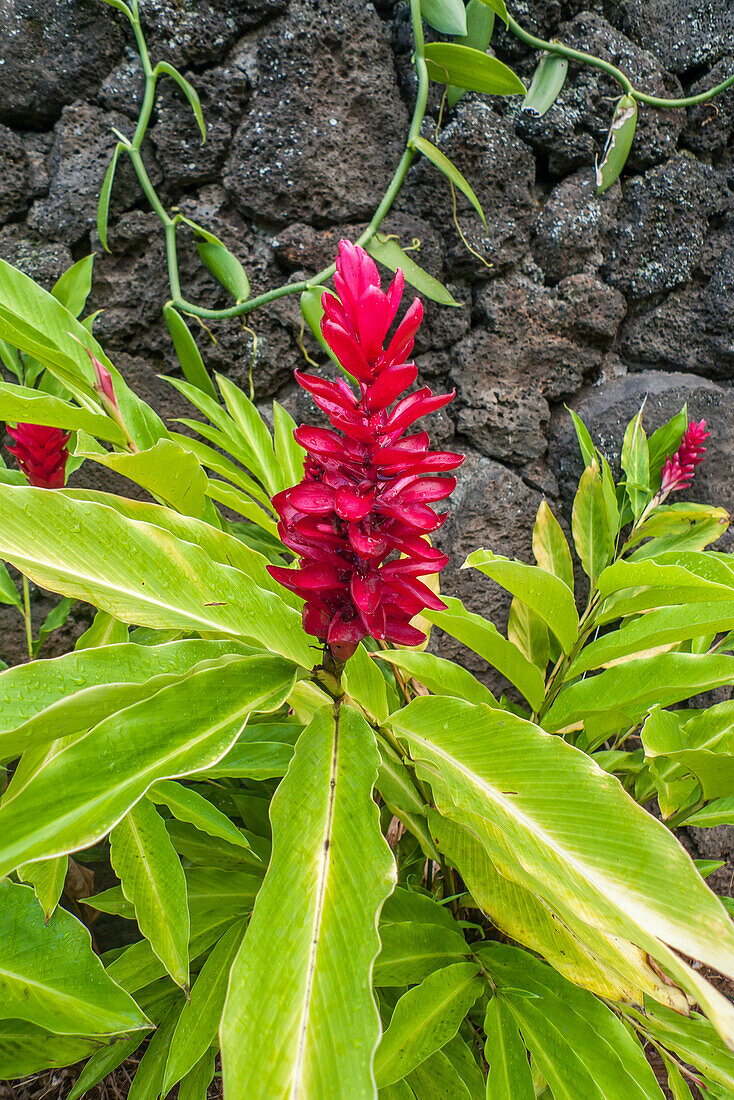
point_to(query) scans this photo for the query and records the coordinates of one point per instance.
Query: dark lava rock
(195, 32)
(13, 174)
(709, 128)
(176, 137)
(80, 155)
(326, 126)
(682, 33)
(41, 260)
(52, 52)
(691, 330)
(573, 226)
(663, 218)
(575, 128)
(501, 171)
(537, 345)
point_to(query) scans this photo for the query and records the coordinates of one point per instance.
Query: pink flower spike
(358, 519)
(678, 471)
(41, 453)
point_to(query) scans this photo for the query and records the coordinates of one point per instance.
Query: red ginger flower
(41, 454)
(359, 517)
(678, 471)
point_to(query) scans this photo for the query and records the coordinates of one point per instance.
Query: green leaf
(26, 1049)
(676, 1082)
(483, 638)
(8, 591)
(577, 1043)
(27, 690)
(105, 630)
(703, 745)
(18, 404)
(81, 710)
(440, 676)
(195, 1085)
(313, 311)
(597, 854)
(529, 634)
(479, 28)
(102, 1063)
(187, 352)
(545, 593)
(436, 1078)
(636, 465)
(47, 877)
(664, 442)
(253, 430)
(509, 1069)
(471, 69)
(550, 546)
(56, 618)
(148, 1080)
(35, 322)
(446, 16)
(198, 1023)
(546, 85)
(188, 90)
(185, 728)
(640, 683)
(618, 144)
(152, 878)
(289, 455)
(386, 250)
(411, 951)
(586, 444)
(498, 6)
(166, 471)
(694, 1040)
(462, 1059)
(188, 805)
(592, 535)
(425, 1018)
(608, 965)
(50, 976)
(452, 173)
(308, 1009)
(83, 550)
(718, 812)
(73, 287)
(259, 760)
(105, 193)
(660, 627)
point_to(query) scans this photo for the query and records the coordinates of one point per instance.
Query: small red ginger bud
(678, 471)
(41, 453)
(359, 518)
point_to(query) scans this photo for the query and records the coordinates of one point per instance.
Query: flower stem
(27, 617)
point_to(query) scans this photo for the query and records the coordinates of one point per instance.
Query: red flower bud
(358, 517)
(678, 471)
(41, 453)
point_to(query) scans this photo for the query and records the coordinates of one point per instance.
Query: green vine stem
(556, 47)
(152, 74)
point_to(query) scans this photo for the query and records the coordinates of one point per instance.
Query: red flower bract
(41, 454)
(359, 517)
(678, 471)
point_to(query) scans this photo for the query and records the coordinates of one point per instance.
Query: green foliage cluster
(528, 929)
